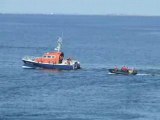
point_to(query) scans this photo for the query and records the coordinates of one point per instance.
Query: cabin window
(50, 56)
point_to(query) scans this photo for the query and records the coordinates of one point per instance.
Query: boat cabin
(51, 58)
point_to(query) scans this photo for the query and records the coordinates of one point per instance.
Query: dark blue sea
(91, 93)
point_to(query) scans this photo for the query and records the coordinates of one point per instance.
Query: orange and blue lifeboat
(51, 60)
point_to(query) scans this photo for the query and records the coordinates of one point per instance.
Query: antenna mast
(59, 44)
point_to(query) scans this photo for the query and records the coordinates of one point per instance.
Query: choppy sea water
(99, 43)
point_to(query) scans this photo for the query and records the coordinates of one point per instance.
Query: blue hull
(50, 66)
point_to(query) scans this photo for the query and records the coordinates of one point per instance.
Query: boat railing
(29, 58)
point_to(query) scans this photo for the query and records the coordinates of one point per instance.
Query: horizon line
(110, 14)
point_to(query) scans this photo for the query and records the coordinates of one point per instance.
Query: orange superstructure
(51, 58)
